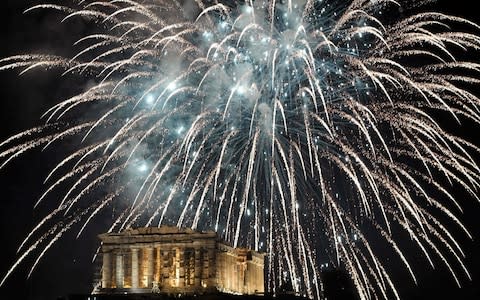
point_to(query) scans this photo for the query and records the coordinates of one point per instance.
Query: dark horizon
(67, 267)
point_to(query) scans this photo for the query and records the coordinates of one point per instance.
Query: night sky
(67, 267)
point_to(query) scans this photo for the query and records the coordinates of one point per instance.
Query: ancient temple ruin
(178, 261)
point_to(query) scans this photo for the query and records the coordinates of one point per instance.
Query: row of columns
(162, 270)
(231, 272)
(254, 278)
(238, 274)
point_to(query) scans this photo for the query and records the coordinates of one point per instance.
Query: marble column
(119, 272)
(236, 272)
(241, 277)
(158, 265)
(258, 280)
(180, 270)
(255, 279)
(106, 270)
(149, 269)
(233, 268)
(134, 268)
(198, 268)
(211, 268)
(261, 279)
(165, 268)
(228, 273)
(182, 267)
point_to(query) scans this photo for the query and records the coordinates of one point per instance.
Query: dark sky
(67, 268)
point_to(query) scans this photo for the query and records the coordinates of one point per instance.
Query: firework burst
(299, 128)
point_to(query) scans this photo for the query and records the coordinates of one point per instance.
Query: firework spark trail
(282, 125)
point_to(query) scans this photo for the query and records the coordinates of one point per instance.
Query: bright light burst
(299, 128)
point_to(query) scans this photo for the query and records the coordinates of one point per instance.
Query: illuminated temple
(177, 261)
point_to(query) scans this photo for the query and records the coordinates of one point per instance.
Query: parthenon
(177, 260)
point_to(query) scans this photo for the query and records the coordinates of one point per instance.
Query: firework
(299, 128)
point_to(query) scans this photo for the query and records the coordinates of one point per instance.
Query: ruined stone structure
(180, 261)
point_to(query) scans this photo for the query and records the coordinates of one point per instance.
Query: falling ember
(297, 128)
